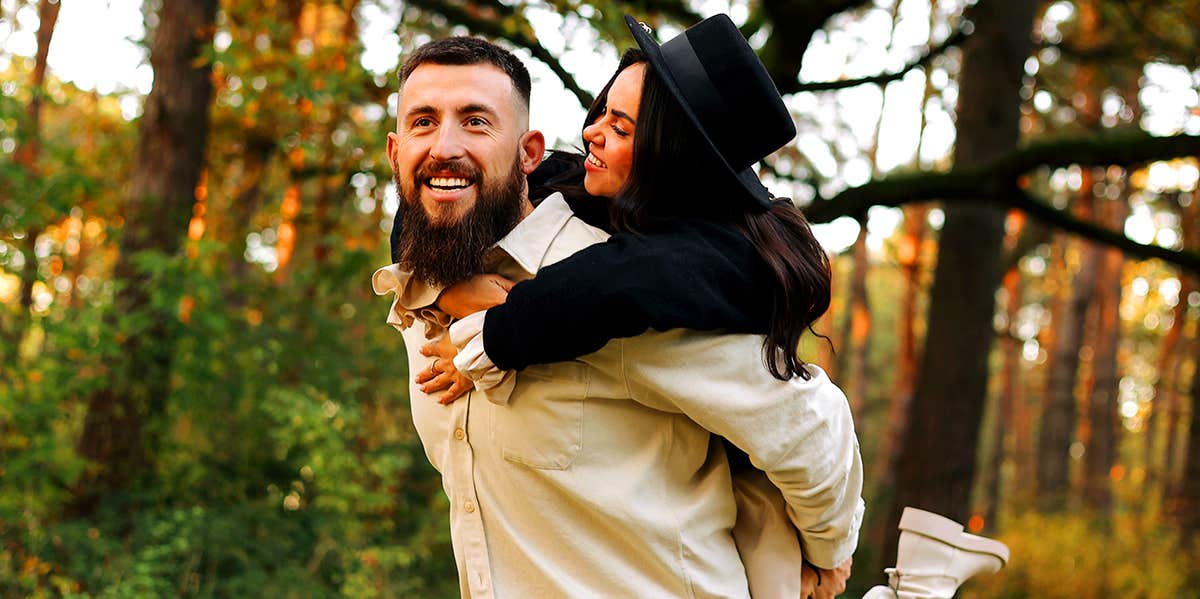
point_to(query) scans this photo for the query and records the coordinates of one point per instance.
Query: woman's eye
(620, 132)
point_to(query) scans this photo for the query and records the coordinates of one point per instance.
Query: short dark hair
(469, 51)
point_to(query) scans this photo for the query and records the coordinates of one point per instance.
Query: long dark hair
(666, 181)
(562, 171)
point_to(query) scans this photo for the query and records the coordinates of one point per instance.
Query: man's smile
(446, 189)
(448, 182)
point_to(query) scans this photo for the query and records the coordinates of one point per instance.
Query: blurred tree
(1059, 409)
(1187, 499)
(122, 428)
(1103, 424)
(937, 457)
(26, 157)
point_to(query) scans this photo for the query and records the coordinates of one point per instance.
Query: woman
(701, 252)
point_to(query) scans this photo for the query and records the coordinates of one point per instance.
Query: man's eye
(476, 122)
(423, 122)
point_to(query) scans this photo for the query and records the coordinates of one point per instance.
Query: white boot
(935, 556)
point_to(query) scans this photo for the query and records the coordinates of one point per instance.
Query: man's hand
(442, 373)
(475, 294)
(819, 583)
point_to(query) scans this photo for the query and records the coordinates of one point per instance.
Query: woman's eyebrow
(623, 115)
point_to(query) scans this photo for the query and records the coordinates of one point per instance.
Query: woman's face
(610, 137)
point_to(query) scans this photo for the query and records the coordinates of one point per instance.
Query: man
(597, 477)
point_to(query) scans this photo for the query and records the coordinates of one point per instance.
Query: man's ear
(393, 144)
(533, 149)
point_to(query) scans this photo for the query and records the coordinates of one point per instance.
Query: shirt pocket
(542, 425)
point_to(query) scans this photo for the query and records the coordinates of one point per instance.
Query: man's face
(460, 154)
(459, 128)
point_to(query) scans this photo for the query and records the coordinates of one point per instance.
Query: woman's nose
(591, 134)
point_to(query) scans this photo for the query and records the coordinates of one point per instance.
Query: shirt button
(470, 507)
(460, 434)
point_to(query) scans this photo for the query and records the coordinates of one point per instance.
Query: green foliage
(283, 472)
(1129, 555)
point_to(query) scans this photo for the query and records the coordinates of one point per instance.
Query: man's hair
(463, 51)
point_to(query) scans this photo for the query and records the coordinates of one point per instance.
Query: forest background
(199, 396)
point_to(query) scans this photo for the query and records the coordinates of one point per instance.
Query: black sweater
(687, 273)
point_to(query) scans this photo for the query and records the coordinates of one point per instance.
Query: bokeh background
(199, 397)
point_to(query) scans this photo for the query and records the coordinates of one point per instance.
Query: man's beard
(442, 254)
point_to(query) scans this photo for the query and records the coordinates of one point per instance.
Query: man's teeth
(596, 161)
(448, 182)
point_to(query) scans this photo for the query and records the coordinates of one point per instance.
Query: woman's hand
(475, 294)
(442, 374)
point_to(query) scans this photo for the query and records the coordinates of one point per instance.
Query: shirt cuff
(414, 300)
(473, 362)
(831, 553)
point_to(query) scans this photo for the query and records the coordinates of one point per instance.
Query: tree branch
(1035, 208)
(484, 18)
(792, 27)
(675, 10)
(955, 39)
(997, 182)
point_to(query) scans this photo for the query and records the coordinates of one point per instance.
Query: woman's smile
(594, 162)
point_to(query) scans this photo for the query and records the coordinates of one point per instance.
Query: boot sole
(950, 532)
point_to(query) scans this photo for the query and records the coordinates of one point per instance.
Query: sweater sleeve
(693, 274)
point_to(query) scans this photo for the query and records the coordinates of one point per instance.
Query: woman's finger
(424, 376)
(461, 385)
(430, 372)
(439, 382)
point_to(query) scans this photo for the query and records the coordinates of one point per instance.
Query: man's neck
(526, 207)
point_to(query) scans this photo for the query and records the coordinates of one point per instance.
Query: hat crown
(729, 90)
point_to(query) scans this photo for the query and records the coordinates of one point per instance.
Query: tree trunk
(1174, 413)
(1187, 502)
(1060, 416)
(26, 155)
(1190, 221)
(1101, 454)
(1006, 400)
(937, 458)
(331, 189)
(1059, 408)
(858, 326)
(1166, 387)
(256, 156)
(120, 428)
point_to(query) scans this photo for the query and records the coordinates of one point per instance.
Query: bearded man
(588, 478)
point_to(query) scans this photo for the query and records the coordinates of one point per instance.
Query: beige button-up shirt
(599, 477)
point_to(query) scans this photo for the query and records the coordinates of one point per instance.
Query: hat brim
(746, 180)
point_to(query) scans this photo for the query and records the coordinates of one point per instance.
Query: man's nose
(447, 144)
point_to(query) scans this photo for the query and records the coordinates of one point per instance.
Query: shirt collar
(529, 241)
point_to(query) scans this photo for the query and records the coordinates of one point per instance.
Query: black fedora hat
(726, 93)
